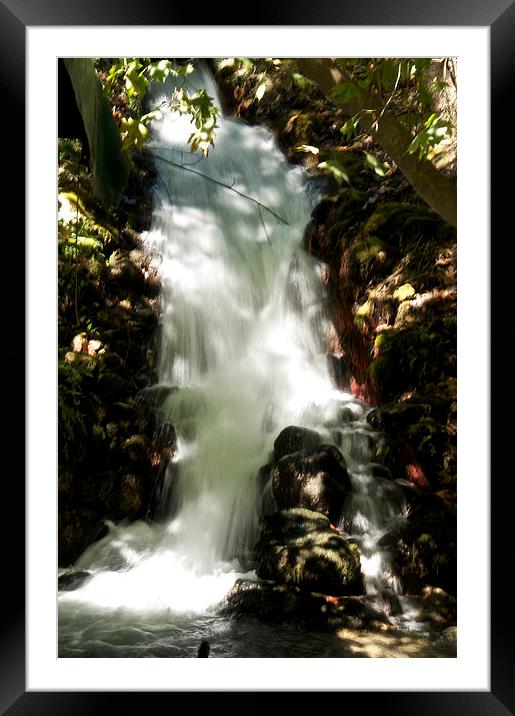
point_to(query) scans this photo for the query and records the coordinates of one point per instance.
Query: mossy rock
(136, 449)
(295, 438)
(404, 292)
(131, 496)
(277, 603)
(316, 479)
(403, 225)
(76, 525)
(369, 258)
(424, 546)
(409, 358)
(73, 579)
(112, 386)
(302, 128)
(298, 547)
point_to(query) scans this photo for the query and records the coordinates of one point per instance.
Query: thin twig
(376, 123)
(263, 223)
(216, 181)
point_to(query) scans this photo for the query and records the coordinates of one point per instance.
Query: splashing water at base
(243, 343)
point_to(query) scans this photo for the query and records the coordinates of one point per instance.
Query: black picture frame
(15, 17)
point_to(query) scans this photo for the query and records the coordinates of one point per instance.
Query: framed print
(35, 676)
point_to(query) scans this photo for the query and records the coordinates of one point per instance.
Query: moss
(302, 128)
(297, 547)
(403, 224)
(408, 358)
(361, 313)
(365, 250)
(425, 435)
(404, 292)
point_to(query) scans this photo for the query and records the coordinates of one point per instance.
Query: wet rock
(424, 545)
(298, 547)
(123, 270)
(438, 607)
(272, 602)
(281, 603)
(451, 633)
(139, 258)
(378, 470)
(294, 438)
(112, 386)
(338, 370)
(109, 360)
(130, 496)
(265, 473)
(166, 437)
(315, 479)
(267, 503)
(82, 361)
(74, 532)
(120, 411)
(71, 580)
(136, 449)
(112, 430)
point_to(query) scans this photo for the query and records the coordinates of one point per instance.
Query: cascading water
(244, 355)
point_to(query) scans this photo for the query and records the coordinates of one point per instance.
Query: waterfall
(243, 351)
(243, 326)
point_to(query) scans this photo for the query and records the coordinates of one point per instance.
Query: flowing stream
(244, 354)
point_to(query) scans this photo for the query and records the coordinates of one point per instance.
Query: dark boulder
(294, 438)
(315, 479)
(299, 547)
(281, 603)
(73, 579)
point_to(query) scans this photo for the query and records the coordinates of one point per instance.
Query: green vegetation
(111, 99)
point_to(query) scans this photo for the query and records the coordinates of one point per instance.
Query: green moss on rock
(407, 358)
(298, 547)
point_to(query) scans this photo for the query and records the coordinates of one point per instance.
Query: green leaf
(134, 133)
(434, 131)
(135, 81)
(349, 128)
(155, 114)
(336, 169)
(159, 71)
(301, 81)
(307, 148)
(380, 168)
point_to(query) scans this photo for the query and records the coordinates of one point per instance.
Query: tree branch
(436, 189)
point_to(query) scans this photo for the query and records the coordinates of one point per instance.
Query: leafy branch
(131, 77)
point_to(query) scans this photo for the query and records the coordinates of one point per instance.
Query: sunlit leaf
(307, 148)
(435, 130)
(261, 90)
(301, 81)
(336, 169)
(349, 128)
(379, 167)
